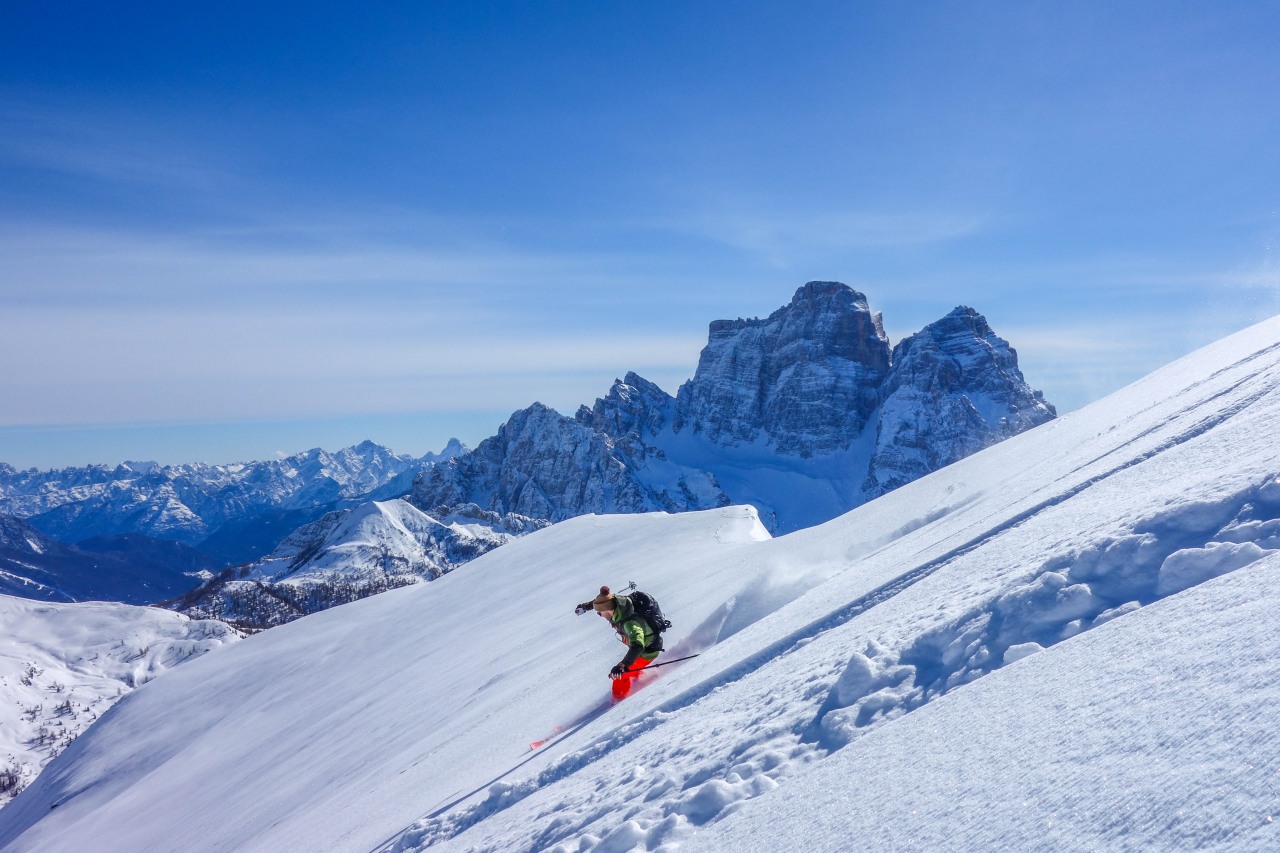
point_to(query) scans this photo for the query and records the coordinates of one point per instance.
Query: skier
(643, 643)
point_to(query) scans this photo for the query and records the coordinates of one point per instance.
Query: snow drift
(1064, 637)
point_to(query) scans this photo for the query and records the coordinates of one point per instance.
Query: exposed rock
(542, 464)
(634, 410)
(804, 380)
(954, 388)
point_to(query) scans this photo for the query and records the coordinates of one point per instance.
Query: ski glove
(617, 671)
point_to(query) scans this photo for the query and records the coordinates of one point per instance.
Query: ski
(571, 727)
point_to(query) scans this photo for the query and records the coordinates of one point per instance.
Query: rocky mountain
(804, 414)
(193, 503)
(1065, 642)
(542, 464)
(348, 555)
(128, 568)
(803, 381)
(954, 388)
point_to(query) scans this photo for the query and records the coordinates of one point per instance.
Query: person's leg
(622, 686)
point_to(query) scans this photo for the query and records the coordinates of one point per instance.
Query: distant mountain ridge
(804, 414)
(191, 502)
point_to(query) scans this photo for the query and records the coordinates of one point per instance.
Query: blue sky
(233, 230)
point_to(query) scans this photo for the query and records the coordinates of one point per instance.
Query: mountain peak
(966, 378)
(634, 407)
(827, 295)
(802, 380)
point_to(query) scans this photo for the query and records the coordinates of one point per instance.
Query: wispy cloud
(782, 237)
(120, 149)
(257, 267)
(106, 375)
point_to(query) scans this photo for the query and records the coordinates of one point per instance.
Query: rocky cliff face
(954, 388)
(542, 464)
(803, 381)
(806, 414)
(633, 412)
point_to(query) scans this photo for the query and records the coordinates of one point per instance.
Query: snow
(1069, 637)
(377, 533)
(63, 665)
(1114, 742)
(816, 488)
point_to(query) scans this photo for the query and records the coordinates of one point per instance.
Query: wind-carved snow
(879, 684)
(1008, 648)
(1114, 576)
(1166, 554)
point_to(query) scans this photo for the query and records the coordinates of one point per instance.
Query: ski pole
(665, 662)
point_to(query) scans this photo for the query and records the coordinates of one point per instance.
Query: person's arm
(635, 644)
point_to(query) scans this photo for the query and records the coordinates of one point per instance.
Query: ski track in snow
(875, 695)
(877, 685)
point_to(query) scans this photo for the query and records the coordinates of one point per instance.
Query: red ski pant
(622, 685)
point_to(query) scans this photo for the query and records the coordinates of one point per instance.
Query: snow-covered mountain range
(190, 503)
(804, 414)
(143, 533)
(1064, 641)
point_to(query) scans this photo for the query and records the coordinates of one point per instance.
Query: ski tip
(536, 744)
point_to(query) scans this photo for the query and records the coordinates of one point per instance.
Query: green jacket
(634, 631)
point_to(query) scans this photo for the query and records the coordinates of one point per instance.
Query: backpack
(646, 607)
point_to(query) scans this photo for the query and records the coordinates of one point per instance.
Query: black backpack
(646, 607)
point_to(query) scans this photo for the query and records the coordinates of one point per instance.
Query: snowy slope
(63, 665)
(1042, 600)
(1051, 748)
(335, 728)
(392, 537)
